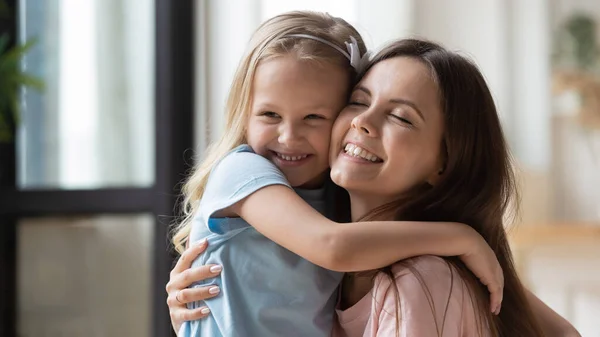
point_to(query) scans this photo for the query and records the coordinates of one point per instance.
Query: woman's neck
(362, 204)
(356, 285)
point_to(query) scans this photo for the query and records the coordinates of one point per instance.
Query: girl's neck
(315, 183)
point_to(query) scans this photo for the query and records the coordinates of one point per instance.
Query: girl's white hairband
(353, 53)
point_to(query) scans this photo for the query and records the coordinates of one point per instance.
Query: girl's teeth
(291, 158)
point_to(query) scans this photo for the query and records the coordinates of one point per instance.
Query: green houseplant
(12, 79)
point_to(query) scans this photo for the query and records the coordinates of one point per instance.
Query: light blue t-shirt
(266, 290)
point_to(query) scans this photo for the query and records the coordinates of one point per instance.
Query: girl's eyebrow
(265, 106)
(316, 108)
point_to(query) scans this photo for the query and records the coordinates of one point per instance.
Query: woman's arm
(281, 215)
(182, 277)
(552, 323)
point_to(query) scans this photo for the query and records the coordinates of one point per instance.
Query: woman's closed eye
(358, 103)
(402, 119)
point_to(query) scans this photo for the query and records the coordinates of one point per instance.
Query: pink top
(375, 314)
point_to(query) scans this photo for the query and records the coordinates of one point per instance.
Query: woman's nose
(364, 124)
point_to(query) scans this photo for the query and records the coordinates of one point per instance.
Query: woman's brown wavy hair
(477, 186)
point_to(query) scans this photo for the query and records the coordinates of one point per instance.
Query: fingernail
(214, 290)
(201, 242)
(205, 310)
(216, 269)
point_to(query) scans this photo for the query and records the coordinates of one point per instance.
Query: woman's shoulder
(423, 277)
(425, 266)
(427, 292)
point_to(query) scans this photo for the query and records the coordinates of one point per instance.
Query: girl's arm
(552, 323)
(281, 215)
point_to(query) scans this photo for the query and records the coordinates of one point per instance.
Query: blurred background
(120, 95)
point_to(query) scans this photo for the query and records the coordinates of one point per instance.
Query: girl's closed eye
(315, 117)
(269, 114)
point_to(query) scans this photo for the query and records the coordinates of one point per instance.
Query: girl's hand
(483, 263)
(182, 276)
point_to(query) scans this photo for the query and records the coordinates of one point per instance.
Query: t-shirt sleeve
(236, 176)
(428, 304)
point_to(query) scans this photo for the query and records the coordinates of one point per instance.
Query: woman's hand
(182, 276)
(483, 263)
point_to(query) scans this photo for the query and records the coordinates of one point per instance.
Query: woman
(427, 115)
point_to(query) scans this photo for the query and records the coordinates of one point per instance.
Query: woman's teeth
(290, 158)
(357, 151)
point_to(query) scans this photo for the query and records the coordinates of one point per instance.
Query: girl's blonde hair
(271, 39)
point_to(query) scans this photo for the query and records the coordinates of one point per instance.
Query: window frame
(174, 137)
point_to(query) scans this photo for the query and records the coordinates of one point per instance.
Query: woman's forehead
(405, 77)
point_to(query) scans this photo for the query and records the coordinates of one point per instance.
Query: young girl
(286, 94)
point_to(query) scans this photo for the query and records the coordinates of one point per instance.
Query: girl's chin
(306, 182)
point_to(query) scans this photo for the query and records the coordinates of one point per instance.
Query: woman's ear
(435, 177)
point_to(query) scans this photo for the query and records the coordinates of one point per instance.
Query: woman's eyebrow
(395, 100)
(410, 104)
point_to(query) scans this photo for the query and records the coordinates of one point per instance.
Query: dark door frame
(174, 114)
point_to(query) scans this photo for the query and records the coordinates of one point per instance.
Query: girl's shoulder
(242, 163)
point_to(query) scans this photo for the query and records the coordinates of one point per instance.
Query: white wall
(575, 163)
(478, 29)
(223, 29)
